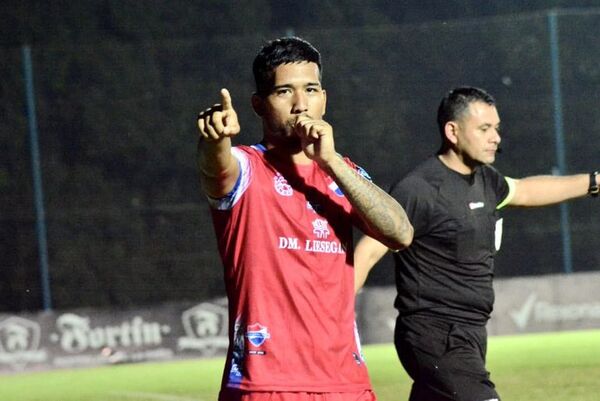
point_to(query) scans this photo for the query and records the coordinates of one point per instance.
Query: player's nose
(300, 102)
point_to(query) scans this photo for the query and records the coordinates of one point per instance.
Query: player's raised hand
(220, 120)
(316, 137)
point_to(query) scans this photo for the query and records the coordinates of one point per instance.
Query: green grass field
(541, 367)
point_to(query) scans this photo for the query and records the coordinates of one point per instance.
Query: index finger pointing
(226, 100)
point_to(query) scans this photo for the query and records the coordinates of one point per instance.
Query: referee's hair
(456, 101)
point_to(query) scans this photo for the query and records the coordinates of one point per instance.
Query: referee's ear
(451, 132)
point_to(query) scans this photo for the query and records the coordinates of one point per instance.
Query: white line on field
(154, 396)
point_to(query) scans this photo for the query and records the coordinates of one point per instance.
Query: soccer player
(444, 278)
(283, 211)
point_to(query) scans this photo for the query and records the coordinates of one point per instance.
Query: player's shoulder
(250, 155)
(250, 150)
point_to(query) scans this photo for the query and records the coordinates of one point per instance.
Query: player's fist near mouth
(316, 137)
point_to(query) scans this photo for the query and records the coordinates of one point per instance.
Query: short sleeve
(228, 201)
(417, 197)
(504, 187)
(505, 199)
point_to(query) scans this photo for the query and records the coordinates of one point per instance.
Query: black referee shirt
(447, 271)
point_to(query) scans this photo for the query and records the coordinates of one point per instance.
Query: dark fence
(126, 223)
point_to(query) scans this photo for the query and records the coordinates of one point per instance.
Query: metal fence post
(37, 179)
(559, 136)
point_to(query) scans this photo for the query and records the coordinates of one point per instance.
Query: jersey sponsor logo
(476, 205)
(320, 228)
(288, 243)
(257, 334)
(317, 246)
(336, 190)
(281, 186)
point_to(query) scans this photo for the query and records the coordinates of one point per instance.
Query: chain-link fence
(126, 222)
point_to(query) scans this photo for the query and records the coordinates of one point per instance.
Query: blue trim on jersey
(227, 199)
(260, 147)
(363, 173)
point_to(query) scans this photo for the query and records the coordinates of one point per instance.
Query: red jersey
(285, 238)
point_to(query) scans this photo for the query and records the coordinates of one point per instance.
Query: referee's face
(478, 134)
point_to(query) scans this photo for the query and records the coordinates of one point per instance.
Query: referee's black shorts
(445, 360)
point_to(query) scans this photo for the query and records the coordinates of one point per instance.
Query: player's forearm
(384, 218)
(546, 190)
(217, 168)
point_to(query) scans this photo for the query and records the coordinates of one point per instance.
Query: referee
(444, 278)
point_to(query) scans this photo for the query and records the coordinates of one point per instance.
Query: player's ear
(258, 105)
(451, 131)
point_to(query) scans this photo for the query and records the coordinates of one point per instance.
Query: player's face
(296, 91)
(478, 134)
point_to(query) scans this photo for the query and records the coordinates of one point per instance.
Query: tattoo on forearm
(377, 209)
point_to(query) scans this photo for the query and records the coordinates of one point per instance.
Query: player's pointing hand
(220, 120)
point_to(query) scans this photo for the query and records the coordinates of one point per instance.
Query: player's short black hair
(456, 101)
(281, 51)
